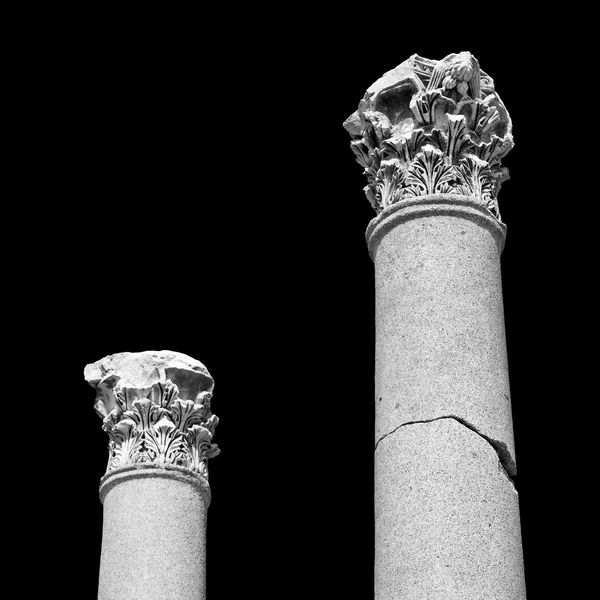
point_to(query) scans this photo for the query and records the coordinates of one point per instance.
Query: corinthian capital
(155, 408)
(432, 127)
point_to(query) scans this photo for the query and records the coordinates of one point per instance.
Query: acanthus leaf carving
(165, 444)
(201, 448)
(153, 425)
(428, 174)
(430, 106)
(483, 115)
(432, 127)
(388, 185)
(495, 150)
(478, 179)
(361, 151)
(458, 142)
(405, 147)
(163, 393)
(186, 413)
(126, 444)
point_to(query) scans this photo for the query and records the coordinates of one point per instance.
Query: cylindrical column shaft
(154, 532)
(446, 518)
(440, 340)
(446, 510)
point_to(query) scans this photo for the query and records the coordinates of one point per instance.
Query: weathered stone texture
(153, 539)
(446, 517)
(440, 339)
(428, 127)
(141, 370)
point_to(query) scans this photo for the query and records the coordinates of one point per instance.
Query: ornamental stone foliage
(432, 127)
(153, 425)
(155, 407)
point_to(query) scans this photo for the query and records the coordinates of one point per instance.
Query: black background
(200, 195)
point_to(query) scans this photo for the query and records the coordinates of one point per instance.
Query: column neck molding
(150, 470)
(433, 205)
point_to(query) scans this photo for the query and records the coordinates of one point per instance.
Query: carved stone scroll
(430, 127)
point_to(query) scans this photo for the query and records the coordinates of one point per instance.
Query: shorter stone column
(156, 410)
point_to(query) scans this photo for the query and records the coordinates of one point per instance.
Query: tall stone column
(431, 136)
(156, 410)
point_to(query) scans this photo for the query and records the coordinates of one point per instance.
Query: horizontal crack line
(506, 460)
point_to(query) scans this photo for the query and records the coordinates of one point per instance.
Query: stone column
(156, 410)
(430, 136)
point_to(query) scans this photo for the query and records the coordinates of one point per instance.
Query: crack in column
(506, 461)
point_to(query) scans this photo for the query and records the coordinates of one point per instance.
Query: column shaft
(154, 532)
(446, 510)
(446, 518)
(439, 317)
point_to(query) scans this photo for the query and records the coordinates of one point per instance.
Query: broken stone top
(430, 127)
(156, 410)
(142, 370)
